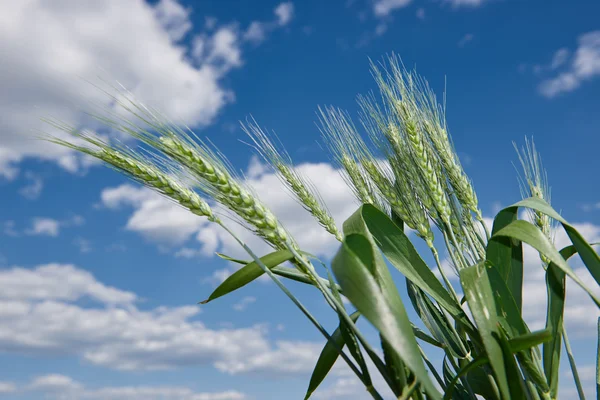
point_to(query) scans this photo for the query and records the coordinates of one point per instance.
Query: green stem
(484, 226)
(305, 311)
(572, 364)
(446, 280)
(455, 261)
(340, 309)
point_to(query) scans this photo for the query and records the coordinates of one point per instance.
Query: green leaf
(401, 253)
(394, 366)
(506, 255)
(248, 273)
(327, 358)
(436, 322)
(515, 345)
(366, 281)
(516, 385)
(529, 340)
(590, 258)
(478, 291)
(598, 365)
(528, 233)
(228, 258)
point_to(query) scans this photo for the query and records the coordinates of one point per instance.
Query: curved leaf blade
(248, 273)
(369, 286)
(327, 358)
(528, 233)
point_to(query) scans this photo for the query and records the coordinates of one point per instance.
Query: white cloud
(124, 38)
(582, 67)
(33, 189)
(591, 206)
(84, 245)
(466, 3)
(465, 40)
(55, 386)
(7, 387)
(57, 282)
(421, 13)
(44, 227)
(155, 217)
(40, 314)
(174, 18)
(255, 32)
(284, 13)
(133, 42)
(382, 8)
(560, 58)
(244, 303)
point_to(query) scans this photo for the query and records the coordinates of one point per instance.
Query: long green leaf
(478, 291)
(327, 358)
(528, 233)
(401, 253)
(248, 273)
(590, 257)
(506, 255)
(368, 284)
(598, 365)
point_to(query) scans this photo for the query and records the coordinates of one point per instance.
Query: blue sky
(99, 278)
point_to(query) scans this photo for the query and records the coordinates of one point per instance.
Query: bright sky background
(99, 279)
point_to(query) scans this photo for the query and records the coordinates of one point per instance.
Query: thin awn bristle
(305, 192)
(346, 146)
(535, 184)
(147, 173)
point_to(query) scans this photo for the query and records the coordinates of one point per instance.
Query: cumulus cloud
(466, 3)
(33, 188)
(40, 314)
(7, 387)
(582, 66)
(57, 282)
(383, 8)
(44, 227)
(257, 30)
(244, 303)
(135, 42)
(284, 13)
(56, 386)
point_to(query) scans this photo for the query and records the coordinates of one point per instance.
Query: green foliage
(407, 174)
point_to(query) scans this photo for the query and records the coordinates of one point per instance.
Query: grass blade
(528, 233)
(327, 358)
(478, 291)
(590, 257)
(366, 281)
(248, 273)
(507, 256)
(401, 253)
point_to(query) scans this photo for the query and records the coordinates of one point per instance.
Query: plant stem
(446, 280)
(572, 364)
(339, 308)
(370, 389)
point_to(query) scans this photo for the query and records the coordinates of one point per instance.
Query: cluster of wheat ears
(406, 174)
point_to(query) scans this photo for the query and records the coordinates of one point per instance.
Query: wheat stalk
(300, 186)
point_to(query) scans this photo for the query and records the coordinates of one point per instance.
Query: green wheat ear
(305, 192)
(535, 184)
(137, 167)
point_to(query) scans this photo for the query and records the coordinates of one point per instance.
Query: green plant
(408, 174)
